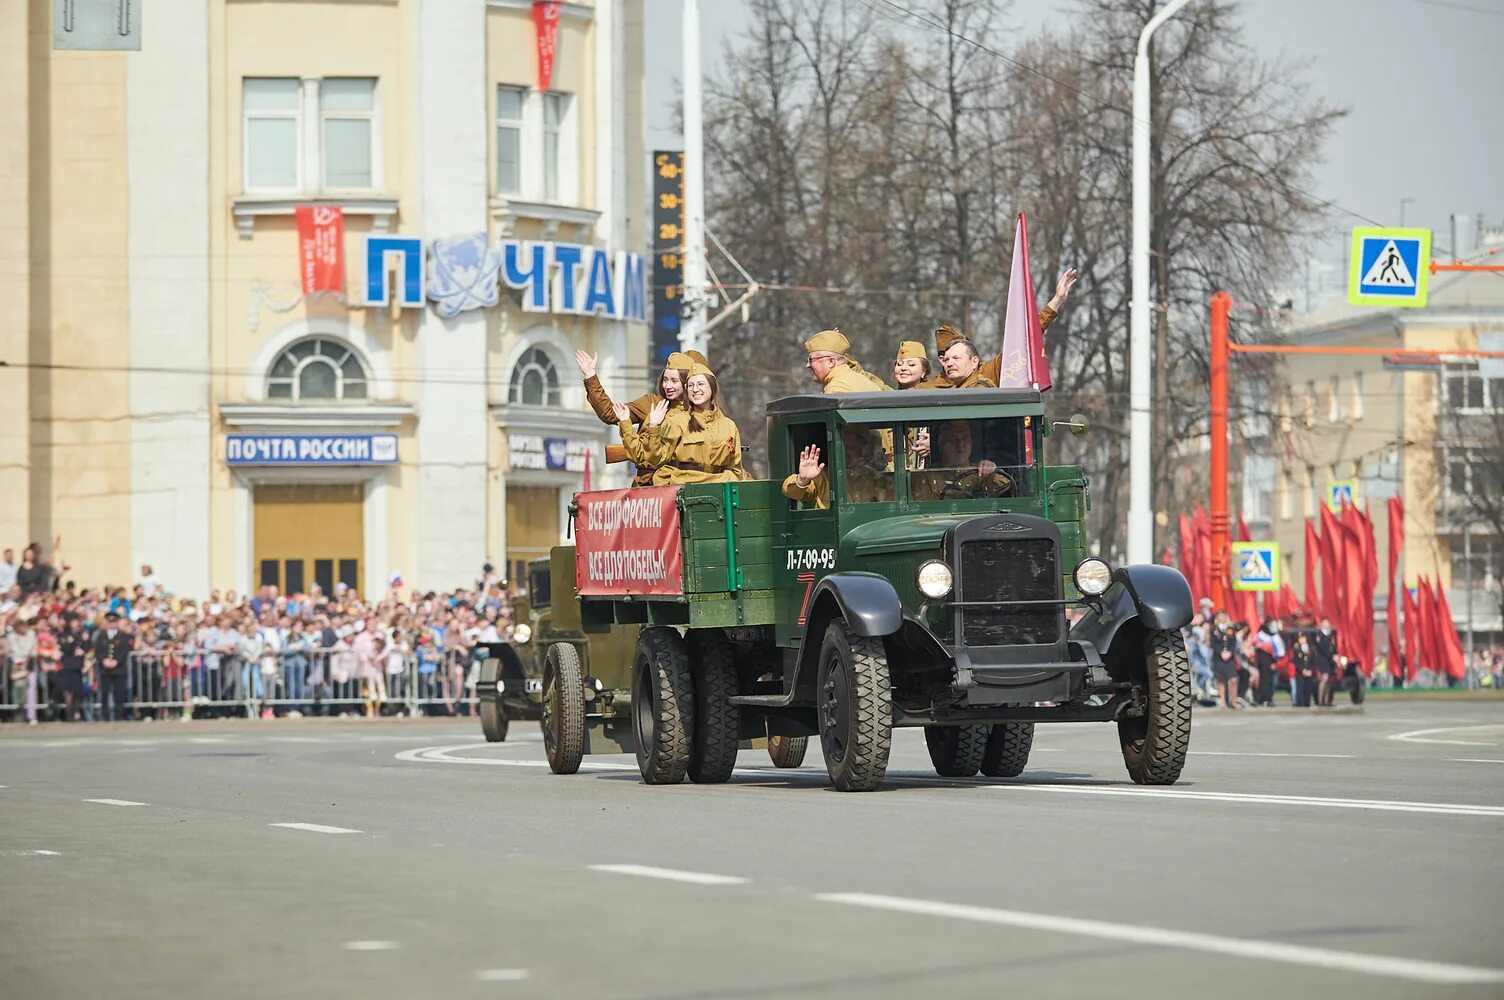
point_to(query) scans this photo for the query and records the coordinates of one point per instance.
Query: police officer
(112, 651)
(1325, 644)
(73, 649)
(830, 363)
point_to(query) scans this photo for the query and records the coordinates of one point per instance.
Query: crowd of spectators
(1244, 664)
(146, 652)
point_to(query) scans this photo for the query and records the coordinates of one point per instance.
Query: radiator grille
(1025, 569)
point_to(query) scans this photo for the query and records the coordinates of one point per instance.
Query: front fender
(1156, 596)
(868, 602)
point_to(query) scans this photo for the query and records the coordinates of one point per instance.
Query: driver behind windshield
(952, 475)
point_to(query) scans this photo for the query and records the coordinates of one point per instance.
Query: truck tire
(1008, 746)
(663, 706)
(787, 751)
(717, 721)
(563, 719)
(1358, 690)
(493, 715)
(855, 707)
(956, 751)
(1155, 743)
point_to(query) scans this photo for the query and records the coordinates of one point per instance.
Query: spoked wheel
(787, 751)
(663, 706)
(563, 718)
(493, 716)
(1008, 748)
(1155, 743)
(855, 708)
(717, 721)
(956, 751)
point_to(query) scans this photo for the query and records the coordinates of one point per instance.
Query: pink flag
(1024, 363)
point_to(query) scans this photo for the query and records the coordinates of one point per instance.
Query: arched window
(535, 380)
(317, 369)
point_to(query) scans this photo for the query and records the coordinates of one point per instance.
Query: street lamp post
(1140, 504)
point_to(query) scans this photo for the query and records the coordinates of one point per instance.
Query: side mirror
(1077, 424)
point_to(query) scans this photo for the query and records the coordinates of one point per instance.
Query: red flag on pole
(546, 24)
(1313, 555)
(1024, 361)
(1331, 548)
(1203, 529)
(1188, 553)
(1396, 509)
(1412, 633)
(1430, 657)
(1453, 659)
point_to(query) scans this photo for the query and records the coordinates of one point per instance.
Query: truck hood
(901, 534)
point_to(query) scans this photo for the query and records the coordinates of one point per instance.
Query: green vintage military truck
(925, 580)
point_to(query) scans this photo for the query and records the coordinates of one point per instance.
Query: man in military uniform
(992, 368)
(868, 479)
(830, 363)
(953, 475)
(962, 367)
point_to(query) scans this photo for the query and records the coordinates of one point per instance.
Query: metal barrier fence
(314, 681)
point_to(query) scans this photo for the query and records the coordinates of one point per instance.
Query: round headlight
(1093, 576)
(935, 579)
(522, 633)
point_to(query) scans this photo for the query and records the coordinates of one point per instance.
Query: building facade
(185, 391)
(1425, 433)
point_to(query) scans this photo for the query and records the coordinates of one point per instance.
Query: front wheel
(493, 715)
(663, 706)
(1359, 689)
(856, 709)
(563, 718)
(1155, 743)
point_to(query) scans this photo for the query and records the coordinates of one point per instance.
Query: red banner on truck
(627, 542)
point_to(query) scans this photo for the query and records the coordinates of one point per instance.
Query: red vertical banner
(1396, 543)
(1453, 659)
(321, 248)
(1412, 632)
(1024, 360)
(546, 22)
(1313, 555)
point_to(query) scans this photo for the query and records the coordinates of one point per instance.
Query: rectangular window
(271, 134)
(557, 150)
(509, 122)
(347, 113)
(1464, 386)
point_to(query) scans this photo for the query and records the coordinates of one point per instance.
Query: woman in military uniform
(912, 366)
(695, 444)
(670, 387)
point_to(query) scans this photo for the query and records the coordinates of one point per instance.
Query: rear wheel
(663, 706)
(1155, 744)
(787, 751)
(956, 751)
(563, 719)
(1358, 689)
(1008, 746)
(855, 709)
(716, 720)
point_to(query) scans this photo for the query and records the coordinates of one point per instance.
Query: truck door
(804, 531)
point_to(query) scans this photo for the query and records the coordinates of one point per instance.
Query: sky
(1422, 80)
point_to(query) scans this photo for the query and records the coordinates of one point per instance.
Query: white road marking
(1475, 760)
(51, 854)
(501, 975)
(1418, 970)
(115, 802)
(1249, 753)
(370, 945)
(672, 875)
(1419, 735)
(314, 827)
(1382, 805)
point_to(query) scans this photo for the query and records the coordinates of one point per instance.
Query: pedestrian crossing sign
(1339, 492)
(1255, 565)
(1390, 267)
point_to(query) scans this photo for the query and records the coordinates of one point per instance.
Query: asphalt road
(1299, 856)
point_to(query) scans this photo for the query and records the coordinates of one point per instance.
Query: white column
(167, 157)
(452, 420)
(692, 333)
(376, 522)
(312, 166)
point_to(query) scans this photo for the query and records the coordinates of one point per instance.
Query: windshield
(970, 459)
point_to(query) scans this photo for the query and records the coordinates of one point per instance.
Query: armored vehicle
(935, 574)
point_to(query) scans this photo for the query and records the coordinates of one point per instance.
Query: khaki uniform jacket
(864, 484)
(680, 454)
(600, 402)
(976, 380)
(846, 378)
(934, 484)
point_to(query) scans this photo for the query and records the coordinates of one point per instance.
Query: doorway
(307, 534)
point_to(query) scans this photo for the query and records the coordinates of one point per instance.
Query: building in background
(209, 380)
(1429, 435)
